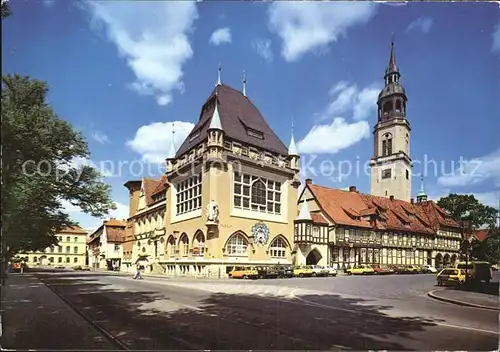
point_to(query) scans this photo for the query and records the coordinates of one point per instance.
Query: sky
(126, 73)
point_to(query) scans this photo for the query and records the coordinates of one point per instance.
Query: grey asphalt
(360, 313)
(33, 317)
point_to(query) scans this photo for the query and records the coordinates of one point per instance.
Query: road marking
(468, 328)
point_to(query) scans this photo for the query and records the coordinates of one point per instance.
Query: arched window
(387, 107)
(387, 144)
(398, 105)
(75, 249)
(237, 245)
(171, 246)
(278, 248)
(199, 245)
(259, 192)
(184, 245)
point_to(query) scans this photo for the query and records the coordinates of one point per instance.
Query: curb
(433, 295)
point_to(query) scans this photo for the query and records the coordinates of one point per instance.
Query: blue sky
(122, 72)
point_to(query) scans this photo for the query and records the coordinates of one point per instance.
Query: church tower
(391, 163)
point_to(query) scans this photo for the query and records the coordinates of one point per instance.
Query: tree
(458, 205)
(39, 171)
(5, 9)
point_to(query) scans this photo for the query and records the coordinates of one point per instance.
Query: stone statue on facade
(212, 211)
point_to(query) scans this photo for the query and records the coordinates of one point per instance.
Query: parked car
(284, 271)
(244, 272)
(450, 276)
(302, 271)
(494, 267)
(318, 270)
(267, 272)
(360, 269)
(429, 269)
(81, 267)
(331, 270)
(399, 269)
(477, 270)
(413, 269)
(381, 270)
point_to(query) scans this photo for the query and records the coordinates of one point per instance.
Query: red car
(381, 269)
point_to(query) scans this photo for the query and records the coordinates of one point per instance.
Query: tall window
(75, 249)
(68, 239)
(171, 246)
(117, 247)
(51, 259)
(189, 194)
(75, 260)
(35, 259)
(278, 248)
(237, 245)
(68, 249)
(257, 194)
(184, 244)
(59, 249)
(199, 243)
(75, 239)
(59, 260)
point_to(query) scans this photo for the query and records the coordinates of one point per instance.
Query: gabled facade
(104, 245)
(69, 251)
(347, 228)
(145, 240)
(232, 191)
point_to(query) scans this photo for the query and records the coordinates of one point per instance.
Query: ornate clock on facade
(260, 233)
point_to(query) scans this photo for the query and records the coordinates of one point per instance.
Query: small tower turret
(421, 196)
(215, 132)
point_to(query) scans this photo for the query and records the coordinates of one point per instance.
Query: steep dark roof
(237, 115)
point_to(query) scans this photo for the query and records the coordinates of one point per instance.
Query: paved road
(384, 313)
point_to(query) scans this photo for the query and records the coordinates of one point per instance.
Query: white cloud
(263, 48)
(100, 137)
(334, 137)
(488, 198)
(496, 38)
(349, 97)
(153, 38)
(220, 36)
(153, 141)
(90, 223)
(422, 24)
(474, 171)
(311, 26)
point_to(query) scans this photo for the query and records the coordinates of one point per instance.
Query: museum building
(231, 193)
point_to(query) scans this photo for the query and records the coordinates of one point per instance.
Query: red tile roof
(481, 234)
(367, 211)
(317, 218)
(237, 115)
(73, 229)
(161, 186)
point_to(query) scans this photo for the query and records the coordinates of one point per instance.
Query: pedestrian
(138, 272)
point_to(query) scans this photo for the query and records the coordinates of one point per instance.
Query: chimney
(352, 189)
(309, 181)
(391, 197)
(412, 201)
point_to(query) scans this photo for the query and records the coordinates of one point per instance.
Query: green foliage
(5, 9)
(489, 249)
(39, 169)
(458, 205)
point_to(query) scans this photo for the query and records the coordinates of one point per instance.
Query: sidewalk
(466, 298)
(34, 317)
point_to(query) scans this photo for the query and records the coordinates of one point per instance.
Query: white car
(319, 270)
(430, 268)
(331, 270)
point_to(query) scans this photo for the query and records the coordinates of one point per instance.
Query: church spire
(215, 123)
(421, 196)
(172, 150)
(392, 68)
(292, 147)
(219, 71)
(244, 83)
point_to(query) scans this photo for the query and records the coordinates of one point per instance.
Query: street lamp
(466, 226)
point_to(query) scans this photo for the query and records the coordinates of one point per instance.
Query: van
(476, 270)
